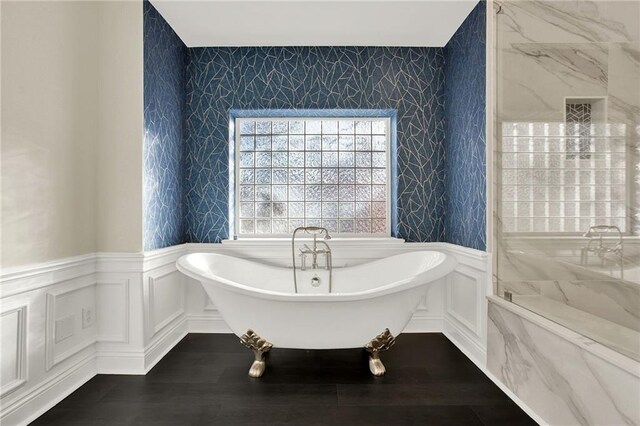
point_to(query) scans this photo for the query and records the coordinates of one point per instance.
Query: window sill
(337, 241)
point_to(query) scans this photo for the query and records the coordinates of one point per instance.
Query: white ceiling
(315, 22)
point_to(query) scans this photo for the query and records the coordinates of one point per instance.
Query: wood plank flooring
(204, 381)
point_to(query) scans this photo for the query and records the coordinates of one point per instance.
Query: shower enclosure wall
(567, 165)
(563, 328)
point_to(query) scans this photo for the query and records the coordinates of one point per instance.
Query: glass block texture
(553, 182)
(312, 172)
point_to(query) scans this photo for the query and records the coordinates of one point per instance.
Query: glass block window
(543, 189)
(331, 172)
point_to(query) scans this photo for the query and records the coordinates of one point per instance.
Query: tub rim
(446, 266)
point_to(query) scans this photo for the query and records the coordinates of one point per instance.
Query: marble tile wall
(565, 378)
(163, 150)
(611, 300)
(465, 183)
(548, 51)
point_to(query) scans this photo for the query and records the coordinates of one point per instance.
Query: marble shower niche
(567, 159)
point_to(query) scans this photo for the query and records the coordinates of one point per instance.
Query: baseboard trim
(46, 395)
(207, 324)
(161, 345)
(126, 362)
(424, 323)
(141, 362)
(470, 346)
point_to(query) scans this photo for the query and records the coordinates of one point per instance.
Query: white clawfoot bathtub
(365, 299)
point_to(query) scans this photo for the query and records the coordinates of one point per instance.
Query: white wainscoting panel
(166, 297)
(164, 303)
(153, 292)
(465, 306)
(465, 299)
(121, 318)
(31, 401)
(13, 349)
(67, 300)
(36, 371)
(112, 310)
(459, 305)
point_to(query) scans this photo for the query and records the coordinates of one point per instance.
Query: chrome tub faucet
(313, 251)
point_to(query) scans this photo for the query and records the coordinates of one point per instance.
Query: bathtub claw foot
(375, 365)
(380, 343)
(260, 347)
(258, 366)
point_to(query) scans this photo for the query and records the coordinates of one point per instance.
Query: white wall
(71, 129)
(119, 153)
(71, 186)
(49, 122)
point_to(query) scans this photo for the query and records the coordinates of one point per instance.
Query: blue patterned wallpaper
(165, 61)
(410, 80)
(465, 184)
(436, 92)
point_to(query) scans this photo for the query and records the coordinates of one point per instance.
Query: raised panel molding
(166, 286)
(475, 298)
(43, 395)
(468, 332)
(15, 351)
(108, 297)
(53, 358)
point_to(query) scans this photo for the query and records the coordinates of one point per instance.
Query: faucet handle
(305, 250)
(303, 259)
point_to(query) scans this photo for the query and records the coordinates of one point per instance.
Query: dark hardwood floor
(204, 381)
